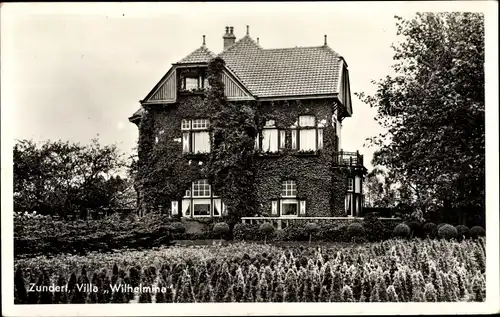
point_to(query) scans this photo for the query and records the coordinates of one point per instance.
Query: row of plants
(44, 235)
(367, 231)
(440, 271)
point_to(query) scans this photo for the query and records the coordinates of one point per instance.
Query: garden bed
(440, 270)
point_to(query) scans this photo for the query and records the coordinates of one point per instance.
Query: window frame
(289, 201)
(350, 184)
(192, 199)
(205, 184)
(191, 127)
(299, 127)
(287, 185)
(201, 80)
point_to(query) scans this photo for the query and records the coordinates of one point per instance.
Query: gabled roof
(284, 72)
(200, 55)
(275, 73)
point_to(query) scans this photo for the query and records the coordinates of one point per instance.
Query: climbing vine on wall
(231, 166)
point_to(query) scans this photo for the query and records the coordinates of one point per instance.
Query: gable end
(165, 91)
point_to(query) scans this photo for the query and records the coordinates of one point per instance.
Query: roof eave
(191, 64)
(288, 97)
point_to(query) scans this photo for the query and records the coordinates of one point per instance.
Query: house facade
(302, 96)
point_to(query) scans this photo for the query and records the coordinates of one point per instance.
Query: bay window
(195, 136)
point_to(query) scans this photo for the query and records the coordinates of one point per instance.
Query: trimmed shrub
(477, 231)
(374, 228)
(402, 231)
(267, 230)
(334, 232)
(440, 225)
(447, 231)
(430, 230)
(295, 231)
(221, 229)
(355, 230)
(416, 230)
(177, 227)
(246, 232)
(311, 228)
(463, 231)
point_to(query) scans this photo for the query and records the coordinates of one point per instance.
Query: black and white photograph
(237, 158)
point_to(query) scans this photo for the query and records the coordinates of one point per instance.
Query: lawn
(393, 270)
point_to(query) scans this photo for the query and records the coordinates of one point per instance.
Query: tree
(231, 167)
(57, 177)
(433, 112)
(379, 190)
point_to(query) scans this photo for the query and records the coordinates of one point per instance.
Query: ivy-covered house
(301, 94)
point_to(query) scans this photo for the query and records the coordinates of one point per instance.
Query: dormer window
(191, 83)
(193, 80)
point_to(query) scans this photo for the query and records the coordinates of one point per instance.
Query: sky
(76, 71)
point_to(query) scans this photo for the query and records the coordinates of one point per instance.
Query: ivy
(231, 167)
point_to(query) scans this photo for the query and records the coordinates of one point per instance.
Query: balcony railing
(343, 158)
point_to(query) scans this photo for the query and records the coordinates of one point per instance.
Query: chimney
(229, 37)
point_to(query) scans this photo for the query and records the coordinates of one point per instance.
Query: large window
(307, 136)
(200, 201)
(272, 138)
(195, 136)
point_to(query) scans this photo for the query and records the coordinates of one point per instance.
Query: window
(200, 124)
(201, 188)
(270, 137)
(270, 140)
(289, 189)
(195, 137)
(186, 124)
(306, 135)
(307, 140)
(193, 80)
(200, 201)
(350, 184)
(191, 83)
(289, 205)
(307, 121)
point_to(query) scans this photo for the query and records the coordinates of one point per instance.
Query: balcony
(352, 159)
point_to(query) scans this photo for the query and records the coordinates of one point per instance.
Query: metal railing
(343, 158)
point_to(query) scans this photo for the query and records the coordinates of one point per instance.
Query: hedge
(47, 236)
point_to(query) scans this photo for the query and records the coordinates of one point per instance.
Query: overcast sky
(72, 71)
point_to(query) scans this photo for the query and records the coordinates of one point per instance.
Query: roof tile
(285, 71)
(200, 55)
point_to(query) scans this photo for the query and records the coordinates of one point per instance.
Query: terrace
(352, 159)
